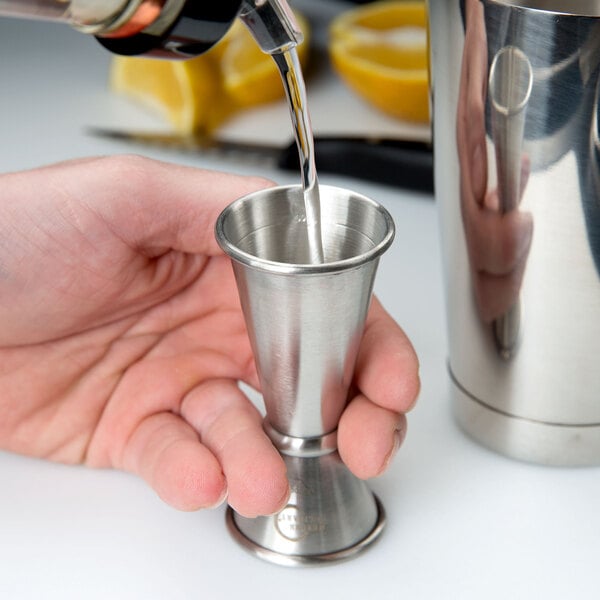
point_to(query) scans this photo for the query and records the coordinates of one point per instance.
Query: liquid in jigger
(293, 82)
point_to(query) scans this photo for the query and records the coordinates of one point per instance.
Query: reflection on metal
(510, 83)
(515, 112)
(511, 80)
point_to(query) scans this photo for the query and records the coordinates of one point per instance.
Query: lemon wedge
(380, 51)
(199, 94)
(185, 93)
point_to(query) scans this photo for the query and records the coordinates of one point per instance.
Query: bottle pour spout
(272, 24)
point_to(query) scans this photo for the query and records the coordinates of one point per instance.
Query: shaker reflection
(498, 234)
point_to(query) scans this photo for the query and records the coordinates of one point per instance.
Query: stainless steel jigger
(305, 323)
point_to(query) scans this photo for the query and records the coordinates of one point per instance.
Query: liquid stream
(291, 74)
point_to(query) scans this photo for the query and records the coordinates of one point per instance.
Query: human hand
(122, 341)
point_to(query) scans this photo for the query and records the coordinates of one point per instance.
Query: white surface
(463, 522)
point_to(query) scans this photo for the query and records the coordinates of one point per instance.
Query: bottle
(165, 28)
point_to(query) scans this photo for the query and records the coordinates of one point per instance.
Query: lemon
(380, 51)
(199, 94)
(185, 93)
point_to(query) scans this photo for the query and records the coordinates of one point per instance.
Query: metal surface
(305, 323)
(305, 560)
(590, 8)
(515, 113)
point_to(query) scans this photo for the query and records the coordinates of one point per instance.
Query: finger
(387, 368)
(470, 131)
(369, 436)
(477, 48)
(232, 428)
(499, 242)
(153, 204)
(190, 209)
(495, 294)
(165, 451)
(476, 149)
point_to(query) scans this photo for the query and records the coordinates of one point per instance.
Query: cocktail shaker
(515, 88)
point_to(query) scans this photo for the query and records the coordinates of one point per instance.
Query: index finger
(387, 367)
(151, 205)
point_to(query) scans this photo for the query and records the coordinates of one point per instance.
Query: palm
(139, 364)
(122, 341)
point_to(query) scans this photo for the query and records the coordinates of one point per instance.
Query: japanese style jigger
(305, 323)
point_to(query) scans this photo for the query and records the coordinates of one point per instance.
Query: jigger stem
(302, 447)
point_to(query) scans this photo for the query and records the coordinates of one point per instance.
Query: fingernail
(280, 506)
(221, 499)
(525, 233)
(399, 435)
(284, 500)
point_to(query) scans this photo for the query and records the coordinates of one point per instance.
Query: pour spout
(272, 24)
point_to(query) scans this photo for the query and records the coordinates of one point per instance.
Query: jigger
(305, 322)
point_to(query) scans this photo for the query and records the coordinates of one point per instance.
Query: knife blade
(405, 164)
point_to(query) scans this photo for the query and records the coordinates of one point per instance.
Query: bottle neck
(272, 24)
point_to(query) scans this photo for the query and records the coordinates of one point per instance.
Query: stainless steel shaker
(516, 89)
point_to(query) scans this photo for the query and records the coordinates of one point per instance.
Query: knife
(401, 163)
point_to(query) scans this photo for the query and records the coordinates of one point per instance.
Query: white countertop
(462, 522)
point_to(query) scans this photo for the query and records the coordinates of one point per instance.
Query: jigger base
(292, 560)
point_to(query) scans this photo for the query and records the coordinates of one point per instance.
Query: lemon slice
(380, 51)
(199, 94)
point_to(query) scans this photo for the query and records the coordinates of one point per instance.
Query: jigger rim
(284, 268)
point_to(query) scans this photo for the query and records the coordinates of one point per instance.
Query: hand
(122, 341)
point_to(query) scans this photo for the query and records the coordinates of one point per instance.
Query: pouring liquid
(291, 74)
